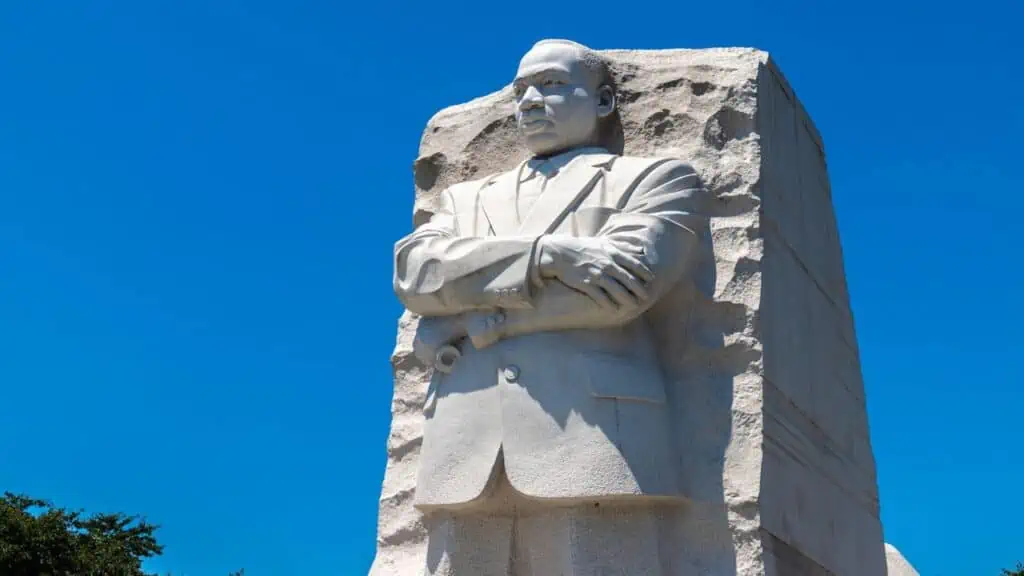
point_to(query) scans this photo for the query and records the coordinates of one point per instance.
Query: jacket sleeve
(662, 217)
(437, 272)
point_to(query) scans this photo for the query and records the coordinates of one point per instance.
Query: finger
(629, 282)
(617, 292)
(634, 265)
(596, 294)
(628, 246)
(423, 351)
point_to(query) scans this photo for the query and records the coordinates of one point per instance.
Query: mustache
(527, 117)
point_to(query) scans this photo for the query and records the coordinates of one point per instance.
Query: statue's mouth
(532, 125)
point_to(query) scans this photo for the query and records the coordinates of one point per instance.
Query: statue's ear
(605, 101)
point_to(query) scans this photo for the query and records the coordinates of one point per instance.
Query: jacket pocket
(621, 378)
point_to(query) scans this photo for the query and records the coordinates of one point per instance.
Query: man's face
(557, 100)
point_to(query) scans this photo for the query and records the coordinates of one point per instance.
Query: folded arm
(658, 225)
(439, 273)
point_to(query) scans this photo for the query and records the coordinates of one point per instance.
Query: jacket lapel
(564, 192)
(498, 199)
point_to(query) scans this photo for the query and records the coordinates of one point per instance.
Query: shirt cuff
(536, 281)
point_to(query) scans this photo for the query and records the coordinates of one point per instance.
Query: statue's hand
(435, 332)
(613, 275)
(481, 328)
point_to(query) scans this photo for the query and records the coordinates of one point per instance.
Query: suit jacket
(570, 395)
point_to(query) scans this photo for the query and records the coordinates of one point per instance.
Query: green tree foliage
(38, 539)
(1018, 571)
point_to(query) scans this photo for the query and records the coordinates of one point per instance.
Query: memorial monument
(628, 346)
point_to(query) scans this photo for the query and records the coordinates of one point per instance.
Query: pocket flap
(622, 378)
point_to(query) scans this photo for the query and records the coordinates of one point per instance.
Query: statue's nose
(531, 98)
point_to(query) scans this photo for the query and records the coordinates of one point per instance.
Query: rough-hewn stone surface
(760, 350)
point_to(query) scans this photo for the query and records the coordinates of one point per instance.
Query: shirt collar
(551, 165)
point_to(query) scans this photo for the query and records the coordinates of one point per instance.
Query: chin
(543, 144)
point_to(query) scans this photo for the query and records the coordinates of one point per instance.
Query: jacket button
(494, 319)
(511, 373)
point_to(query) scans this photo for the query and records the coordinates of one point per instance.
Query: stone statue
(609, 367)
(547, 445)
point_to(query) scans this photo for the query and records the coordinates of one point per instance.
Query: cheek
(570, 102)
(556, 101)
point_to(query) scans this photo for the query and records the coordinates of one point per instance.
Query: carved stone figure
(608, 367)
(548, 439)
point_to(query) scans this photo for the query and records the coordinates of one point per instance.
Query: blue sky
(198, 202)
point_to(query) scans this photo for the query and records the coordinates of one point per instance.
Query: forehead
(553, 57)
